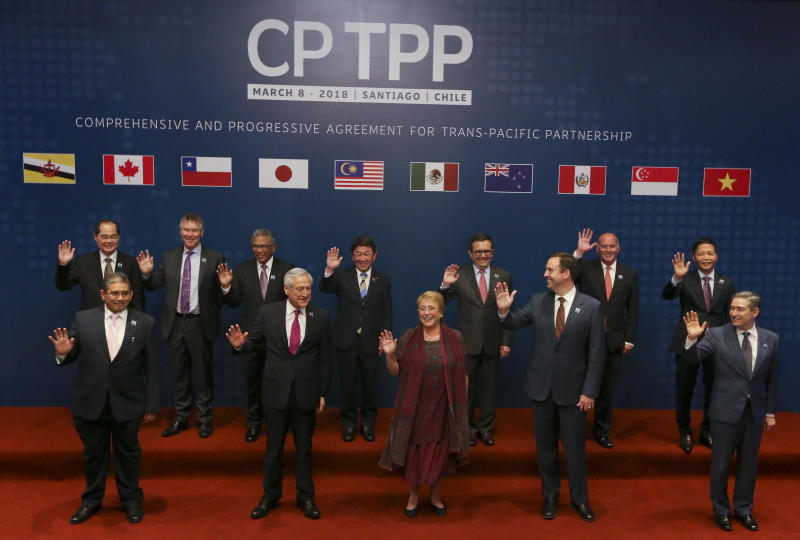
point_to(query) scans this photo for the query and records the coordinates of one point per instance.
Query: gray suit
(483, 337)
(559, 372)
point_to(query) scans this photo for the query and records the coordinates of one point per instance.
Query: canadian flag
(128, 170)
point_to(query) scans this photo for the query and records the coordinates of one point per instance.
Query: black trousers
(567, 421)
(190, 355)
(99, 437)
(482, 371)
(685, 379)
(302, 423)
(253, 371)
(359, 361)
(603, 407)
(743, 438)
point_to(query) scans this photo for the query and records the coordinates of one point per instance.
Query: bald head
(608, 247)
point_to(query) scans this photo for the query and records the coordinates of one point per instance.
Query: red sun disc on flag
(283, 173)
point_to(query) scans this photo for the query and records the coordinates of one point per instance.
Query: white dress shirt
(290, 320)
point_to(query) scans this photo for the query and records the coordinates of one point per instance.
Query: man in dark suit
(117, 383)
(190, 319)
(746, 361)
(484, 339)
(296, 340)
(563, 375)
(91, 269)
(364, 310)
(616, 286)
(255, 282)
(709, 295)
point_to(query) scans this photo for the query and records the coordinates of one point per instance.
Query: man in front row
(563, 375)
(296, 341)
(117, 383)
(746, 361)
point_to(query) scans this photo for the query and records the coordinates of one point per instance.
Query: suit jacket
(169, 273)
(571, 365)
(308, 369)
(621, 310)
(732, 382)
(87, 272)
(372, 315)
(130, 381)
(690, 292)
(476, 320)
(246, 287)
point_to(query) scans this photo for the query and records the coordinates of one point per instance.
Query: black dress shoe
(309, 509)
(723, 522)
(348, 434)
(205, 430)
(604, 441)
(550, 508)
(686, 443)
(411, 512)
(135, 514)
(438, 510)
(251, 435)
(367, 433)
(263, 508)
(487, 438)
(83, 513)
(705, 439)
(472, 440)
(174, 428)
(584, 511)
(748, 522)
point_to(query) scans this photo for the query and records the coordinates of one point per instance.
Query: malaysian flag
(350, 174)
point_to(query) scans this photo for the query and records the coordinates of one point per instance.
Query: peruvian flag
(581, 180)
(128, 170)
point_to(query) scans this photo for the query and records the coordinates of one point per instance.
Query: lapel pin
(764, 345)
(577, 310)
(721, 281)
(133, 323)
(496, 276)
(619, 276)
(272, 277)
(311, 314)
(133, 338)
(202, 260)
(119, 265)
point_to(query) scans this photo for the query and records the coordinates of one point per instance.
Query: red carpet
(195, 488)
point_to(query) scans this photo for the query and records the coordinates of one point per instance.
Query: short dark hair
(567, 262)
(196, 218)
(97, 225)
(116, 277)
(480, 237)
(703, 240)
(363, 240)
(752, 299)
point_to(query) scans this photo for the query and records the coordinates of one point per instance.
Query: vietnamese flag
(726, 182)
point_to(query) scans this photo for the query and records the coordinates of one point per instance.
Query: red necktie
(482, 286)
(560, 318)
(294, 337)
(608, 282)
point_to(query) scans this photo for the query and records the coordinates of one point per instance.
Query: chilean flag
(206, 171)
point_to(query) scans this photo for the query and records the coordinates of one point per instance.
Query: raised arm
(584, 242)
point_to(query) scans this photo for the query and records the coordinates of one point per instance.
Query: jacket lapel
(100, 324)
(548, 313)
(130, 328)
(761, 354)
(732, 341)
(574, 312)
(472, 284)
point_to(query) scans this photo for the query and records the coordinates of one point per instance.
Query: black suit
(559, 372)
(690, 292)
(110, 399)
(246, 287)
(292, 388)
(739, 403)
(483, 337)
(355, 335)
(620, 313)
(190, 337)
(87, 272)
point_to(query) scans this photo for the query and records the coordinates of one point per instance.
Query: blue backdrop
(683, 84)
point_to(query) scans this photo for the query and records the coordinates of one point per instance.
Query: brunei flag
(48, 168)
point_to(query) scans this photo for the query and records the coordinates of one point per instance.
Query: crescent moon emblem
(341, 168)
(639, 173)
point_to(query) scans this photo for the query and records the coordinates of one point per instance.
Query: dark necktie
(747, 352)
(294, 337)
(483, 288)
(363, 285)
(263, 280)
(109, 269)
(186, 282)
(560, 318)
(707, 292)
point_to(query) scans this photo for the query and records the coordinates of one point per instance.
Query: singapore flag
(283, 173)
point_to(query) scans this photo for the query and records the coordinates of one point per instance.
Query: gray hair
(262, 232)
(190, 216)
(116, 277)
(752, 299)
(294, 273)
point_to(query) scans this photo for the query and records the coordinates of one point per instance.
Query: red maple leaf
(128, 169)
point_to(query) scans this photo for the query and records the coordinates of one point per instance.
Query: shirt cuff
(60, 358)
(689, 343)
(226, 290)
(674, 281)
(502, 317)
(629, 343)
(326, 274)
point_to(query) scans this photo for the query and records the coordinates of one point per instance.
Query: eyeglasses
(118, 294)
(481, 251)
(427, 309)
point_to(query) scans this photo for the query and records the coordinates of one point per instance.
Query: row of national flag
(119, 169)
